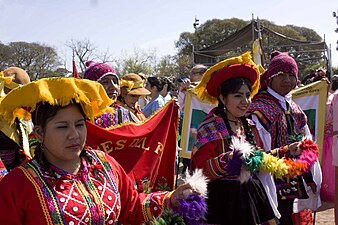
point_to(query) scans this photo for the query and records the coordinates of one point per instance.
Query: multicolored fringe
(283, 167)
(3, 170)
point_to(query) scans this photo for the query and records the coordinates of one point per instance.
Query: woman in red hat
(223, 139)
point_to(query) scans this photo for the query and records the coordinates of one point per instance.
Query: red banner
(75, 73)
(146, 151)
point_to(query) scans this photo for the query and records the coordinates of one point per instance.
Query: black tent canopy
(242, 40)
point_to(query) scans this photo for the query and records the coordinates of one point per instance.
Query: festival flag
(312, 100)
(194, 113)
(257, 52)
(146, 151)
(75, 73)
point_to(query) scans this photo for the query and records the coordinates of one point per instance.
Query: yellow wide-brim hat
(134, 84)
(240, 66)
(21, 101)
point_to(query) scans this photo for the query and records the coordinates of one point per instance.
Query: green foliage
(37, 59)
(334, 70)
(209, 33)
(168, 218)
(307, 33)
(184, 63)
(167, 67)
(216, 30)
(139, 62)
(40, 60)
(185, 43)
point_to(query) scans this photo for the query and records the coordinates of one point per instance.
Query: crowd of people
(254, 148)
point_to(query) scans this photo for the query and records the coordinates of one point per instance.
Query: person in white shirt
(281, 122)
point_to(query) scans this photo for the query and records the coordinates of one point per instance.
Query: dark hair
(156, 81)
(307, 78)
(167, 82)
(334, 82)
(226, 88)
(43, 113)
(7, 143)
(233, 85)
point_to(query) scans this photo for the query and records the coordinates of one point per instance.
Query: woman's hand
(185, 85)
(181, 192)
(230, 155)
(294, 149)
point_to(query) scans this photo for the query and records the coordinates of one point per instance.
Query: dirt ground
(325, 214)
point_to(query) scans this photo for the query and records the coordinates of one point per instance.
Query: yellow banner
(194, 113)
(312, 99)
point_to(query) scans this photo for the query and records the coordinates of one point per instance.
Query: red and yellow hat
(240, 66)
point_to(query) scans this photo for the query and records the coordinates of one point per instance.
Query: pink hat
(281, 62)
(96, 71)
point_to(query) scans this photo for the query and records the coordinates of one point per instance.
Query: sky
(121, 26)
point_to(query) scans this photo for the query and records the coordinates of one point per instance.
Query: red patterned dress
(101, 193)
(229, 201)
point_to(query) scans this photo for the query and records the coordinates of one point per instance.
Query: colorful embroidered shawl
(273, 119)
(214, 128)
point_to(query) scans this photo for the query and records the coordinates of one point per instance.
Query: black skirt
(230, 202)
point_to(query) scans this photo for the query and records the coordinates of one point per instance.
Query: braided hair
(232, 86)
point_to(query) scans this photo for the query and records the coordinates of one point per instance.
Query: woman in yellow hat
(132, 88)
(224, 139)
(14, 147)
(64, 183)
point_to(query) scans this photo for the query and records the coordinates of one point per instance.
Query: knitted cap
(96, 71)
(281, 62)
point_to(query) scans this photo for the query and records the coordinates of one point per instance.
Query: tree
(210, 32)
(4, 56)
(167, 67)
(139, 62)
(37, 59)
(84, 51)
(216, 30)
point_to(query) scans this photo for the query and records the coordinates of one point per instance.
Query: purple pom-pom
(193, 209)
(234, 165)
